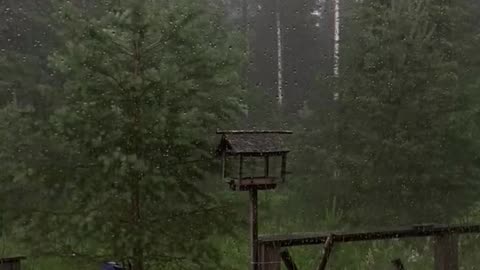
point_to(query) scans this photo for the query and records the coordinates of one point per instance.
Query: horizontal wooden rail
(254, 132)
(339, 237)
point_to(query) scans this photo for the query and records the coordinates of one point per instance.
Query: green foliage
(401, 134)
(108, 145)
(110, 173)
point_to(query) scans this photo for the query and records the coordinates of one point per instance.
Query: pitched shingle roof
(252, 142)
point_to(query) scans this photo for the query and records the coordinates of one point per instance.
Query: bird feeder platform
(259, 183)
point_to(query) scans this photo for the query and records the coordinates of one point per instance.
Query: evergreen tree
(402, 135)
(118, 171)
(404, 127)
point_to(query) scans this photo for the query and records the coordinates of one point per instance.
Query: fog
(133, 134)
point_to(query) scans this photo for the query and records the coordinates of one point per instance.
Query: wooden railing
(273, 248)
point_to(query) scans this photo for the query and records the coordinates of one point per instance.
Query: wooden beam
(327, 250)
(258, 154)
(254, 131)
(254, 229)
(224, 165)
(267, 166)
(445, 249)
(269, 257)
(287, 260)
(240, 167)
(339, 237)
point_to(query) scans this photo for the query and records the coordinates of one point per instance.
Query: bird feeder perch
(248, 147)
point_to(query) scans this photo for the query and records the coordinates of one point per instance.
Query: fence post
(445, 250)
(269, 257)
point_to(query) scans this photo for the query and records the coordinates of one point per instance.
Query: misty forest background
(109, 111)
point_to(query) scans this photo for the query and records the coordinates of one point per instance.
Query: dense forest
(109, 111)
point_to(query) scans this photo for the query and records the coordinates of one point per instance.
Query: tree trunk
(278, 23)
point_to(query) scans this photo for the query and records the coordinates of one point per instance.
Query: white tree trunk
(336, 49)
(279, 55)
(336, 41)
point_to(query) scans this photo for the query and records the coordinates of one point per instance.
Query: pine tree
(118, 171)
(402, 134)
(403, 118)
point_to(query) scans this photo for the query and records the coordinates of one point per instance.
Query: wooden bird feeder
(255, 151)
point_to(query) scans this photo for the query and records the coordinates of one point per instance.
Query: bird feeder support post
(240, 169)
(224, 165)
(284, 167)
(267, 166)
(254, 229)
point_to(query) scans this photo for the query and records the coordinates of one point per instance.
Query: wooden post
(240, 170)
(326, 253)
(224, 165)
(446, 252)
(267, 166)
(284, 167)
(287, 260)
(269, 257)
(254, 229)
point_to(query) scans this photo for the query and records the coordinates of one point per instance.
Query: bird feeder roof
(12, 259)
(253, 142)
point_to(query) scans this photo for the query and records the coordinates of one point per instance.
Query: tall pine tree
(119, 170)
